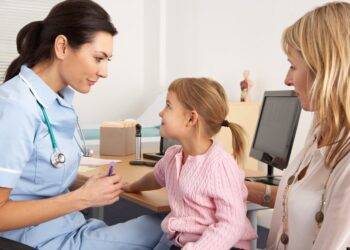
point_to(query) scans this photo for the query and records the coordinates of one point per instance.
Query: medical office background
(160, 40)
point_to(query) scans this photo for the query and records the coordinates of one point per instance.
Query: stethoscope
(57, 158)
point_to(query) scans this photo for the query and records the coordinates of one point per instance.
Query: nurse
(67, 51)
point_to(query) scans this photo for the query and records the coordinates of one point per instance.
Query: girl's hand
(100, 190)
(127, 187)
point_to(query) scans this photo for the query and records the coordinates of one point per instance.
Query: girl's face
(175, 119)
(300, 77)
(81, 68)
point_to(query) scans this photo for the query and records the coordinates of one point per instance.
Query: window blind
(14, 14)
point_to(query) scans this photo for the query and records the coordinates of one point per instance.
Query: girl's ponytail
(238, 140)
(28, 40)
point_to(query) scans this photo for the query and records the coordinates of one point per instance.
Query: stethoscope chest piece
(57, 159)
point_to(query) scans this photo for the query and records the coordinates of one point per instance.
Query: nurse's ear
(61, 47)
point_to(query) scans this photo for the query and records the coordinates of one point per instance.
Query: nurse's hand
(100, 190)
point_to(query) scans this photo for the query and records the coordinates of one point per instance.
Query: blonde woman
(312, 203)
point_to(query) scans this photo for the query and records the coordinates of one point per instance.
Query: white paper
(84, 169)
(96, 162)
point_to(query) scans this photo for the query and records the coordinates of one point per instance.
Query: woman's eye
(292, 67)
(98, 59)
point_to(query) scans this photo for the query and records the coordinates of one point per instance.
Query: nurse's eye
(292, 67)
(168, 106)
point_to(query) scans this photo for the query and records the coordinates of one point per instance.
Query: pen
(111, 166)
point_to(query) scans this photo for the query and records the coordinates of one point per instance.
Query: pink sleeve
(229, 195)
(159, 172)
(161, 166)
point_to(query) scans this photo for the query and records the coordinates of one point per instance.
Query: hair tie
(225, 123)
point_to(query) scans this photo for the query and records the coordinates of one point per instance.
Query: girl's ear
(193, 118)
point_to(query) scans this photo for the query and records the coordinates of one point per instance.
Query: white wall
(133, 80)
(161, 40)
(220, 39)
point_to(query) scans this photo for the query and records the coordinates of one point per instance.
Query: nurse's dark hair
(78, 20)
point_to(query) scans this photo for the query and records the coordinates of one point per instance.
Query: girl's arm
(147, 182)
(256, 192)
(97, 191)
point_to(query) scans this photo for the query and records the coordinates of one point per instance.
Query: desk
(155, 200)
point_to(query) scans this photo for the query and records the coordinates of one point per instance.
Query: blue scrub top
(26, 149)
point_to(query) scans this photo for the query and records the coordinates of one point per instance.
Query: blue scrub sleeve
(17, 132)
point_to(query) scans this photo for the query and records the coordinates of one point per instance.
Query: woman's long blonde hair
(322, 37)
(208, 98)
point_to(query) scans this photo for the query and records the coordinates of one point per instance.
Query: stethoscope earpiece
(89, 152)
(86, 152)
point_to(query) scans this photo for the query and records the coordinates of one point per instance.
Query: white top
(304, 201)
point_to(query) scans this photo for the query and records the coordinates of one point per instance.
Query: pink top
(207, 197)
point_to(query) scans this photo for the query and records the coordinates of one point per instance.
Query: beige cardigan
(304, 201)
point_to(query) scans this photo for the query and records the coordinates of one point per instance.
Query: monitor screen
(277, 124)
(166, 143)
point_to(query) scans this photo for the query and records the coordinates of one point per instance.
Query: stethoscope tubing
(57, 158)
(49, 127)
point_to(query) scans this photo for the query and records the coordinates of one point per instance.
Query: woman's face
(300, 77)
(82, 67)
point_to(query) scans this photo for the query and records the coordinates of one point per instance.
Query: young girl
(206, 190)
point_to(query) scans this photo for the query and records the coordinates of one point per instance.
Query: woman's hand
(100, 190)
(256, 192)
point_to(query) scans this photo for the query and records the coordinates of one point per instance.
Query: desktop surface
(269, 180)
(153, 156)
(156, 200)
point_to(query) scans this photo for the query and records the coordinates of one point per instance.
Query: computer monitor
(276, 128)
(164, 144)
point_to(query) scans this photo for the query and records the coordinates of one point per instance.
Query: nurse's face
(300, 77)
(82, 67)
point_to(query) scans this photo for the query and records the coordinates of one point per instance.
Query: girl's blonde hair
(207, 97)
(322, 37)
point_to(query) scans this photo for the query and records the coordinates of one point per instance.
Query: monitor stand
(270, 179)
